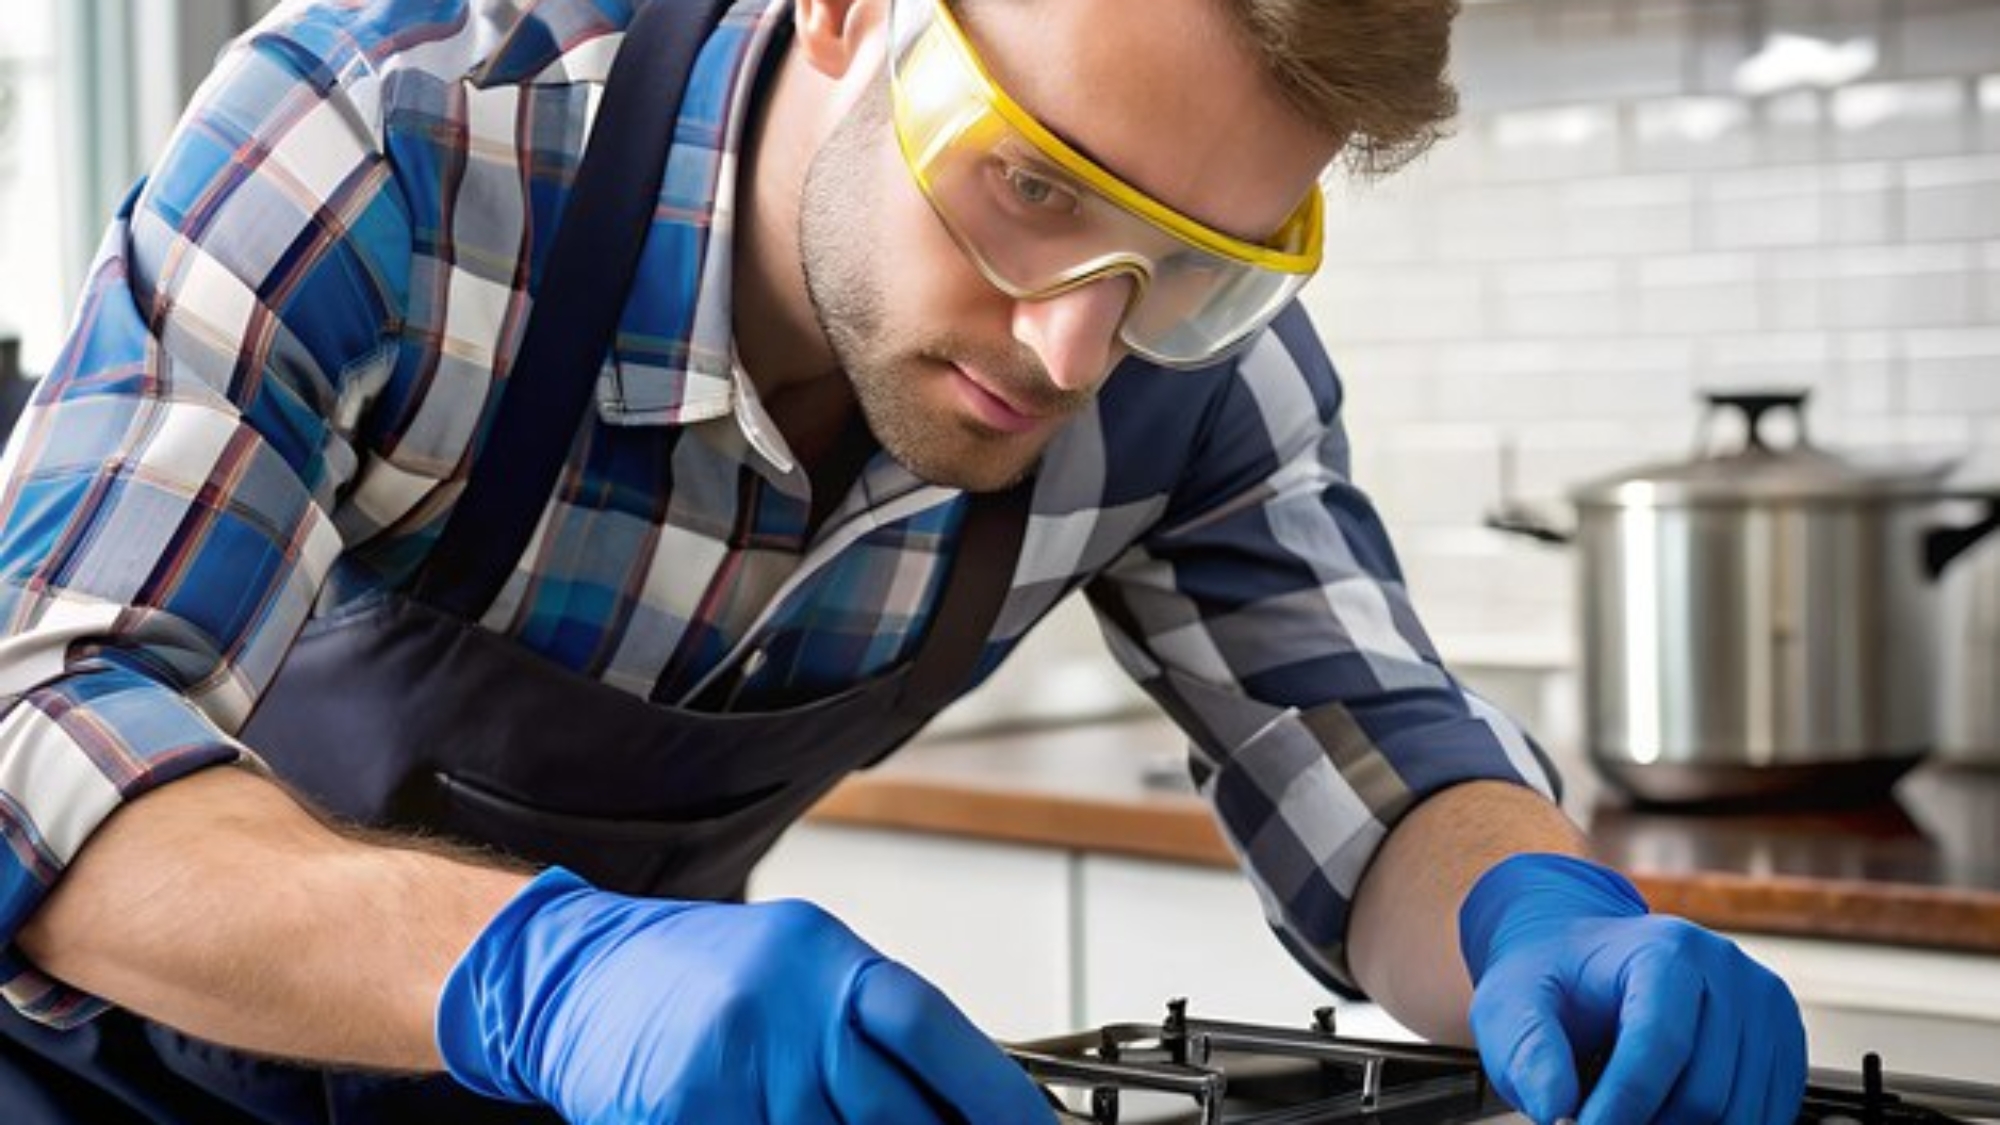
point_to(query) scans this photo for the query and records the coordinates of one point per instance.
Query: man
(936, 314)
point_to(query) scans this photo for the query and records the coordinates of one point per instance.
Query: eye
(1035, 192)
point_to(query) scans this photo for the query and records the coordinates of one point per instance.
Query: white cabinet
(1924, 1011)
(990, 924)
(1032, 942)
(1153, 931)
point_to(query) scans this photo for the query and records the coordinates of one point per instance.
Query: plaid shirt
(293, 337)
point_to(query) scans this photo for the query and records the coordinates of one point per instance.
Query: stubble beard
(843, 273)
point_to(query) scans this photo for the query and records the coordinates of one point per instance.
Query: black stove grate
(1187, 1071)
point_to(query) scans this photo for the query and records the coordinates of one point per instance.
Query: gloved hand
(1566, 962)
(618, 1010)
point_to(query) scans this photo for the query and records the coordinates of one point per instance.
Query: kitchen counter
(1922, 869)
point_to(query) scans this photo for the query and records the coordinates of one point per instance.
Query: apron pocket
(668, 825)
(633, 856)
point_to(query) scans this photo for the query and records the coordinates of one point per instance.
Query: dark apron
(402, 713)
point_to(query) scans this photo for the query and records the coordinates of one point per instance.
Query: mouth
(993, 409)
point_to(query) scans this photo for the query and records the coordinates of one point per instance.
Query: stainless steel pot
(1759, 622)
(1969, 638)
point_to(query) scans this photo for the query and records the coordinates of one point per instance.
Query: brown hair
(1371, 70)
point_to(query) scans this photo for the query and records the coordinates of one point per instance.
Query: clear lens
(1038, 222)
(1194, 313)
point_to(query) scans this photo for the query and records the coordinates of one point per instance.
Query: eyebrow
(1253, 240)
(1121, 177)
(965, 26)
(1079, 147)
(1082, 150)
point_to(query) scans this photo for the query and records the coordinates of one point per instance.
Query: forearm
(221, 907)
(1403, 936)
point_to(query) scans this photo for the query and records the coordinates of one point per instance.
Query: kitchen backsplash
(1645, 198)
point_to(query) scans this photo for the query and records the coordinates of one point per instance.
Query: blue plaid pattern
(290, 347)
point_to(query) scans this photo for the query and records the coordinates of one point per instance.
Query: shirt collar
(775, 460)
(674, 362)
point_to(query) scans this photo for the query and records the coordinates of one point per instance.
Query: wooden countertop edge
(1962, 920)
(1179, 829)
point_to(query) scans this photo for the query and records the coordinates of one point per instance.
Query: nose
(1075, 333)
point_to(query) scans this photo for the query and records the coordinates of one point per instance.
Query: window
(89, 90)
(33, 280)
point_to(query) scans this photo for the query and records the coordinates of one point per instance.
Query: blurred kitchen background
(1643, 199)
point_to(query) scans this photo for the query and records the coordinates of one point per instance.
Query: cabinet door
(1924, 1011)
(1154, 931)
(987, 923)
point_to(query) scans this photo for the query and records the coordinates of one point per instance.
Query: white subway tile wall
(1794, 125)
(1648, 199)
(1684, 294)
(1691, 133)
(1989, 283)
(1625, 215)
(1948, 37)
(1953, 369)
(1901, 119)
(1953, 198)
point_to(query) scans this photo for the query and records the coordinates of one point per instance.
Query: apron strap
(584, 285)
(976, 588)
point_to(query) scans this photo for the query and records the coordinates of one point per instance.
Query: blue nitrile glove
(1566, 962)
(618, 1010)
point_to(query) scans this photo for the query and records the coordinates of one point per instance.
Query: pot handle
(1943, 545)
(1512, 517)
(1515, 519)
(1753, 405)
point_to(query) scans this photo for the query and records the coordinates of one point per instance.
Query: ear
(832, 34)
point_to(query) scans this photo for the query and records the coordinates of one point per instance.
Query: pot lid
(1758, 470)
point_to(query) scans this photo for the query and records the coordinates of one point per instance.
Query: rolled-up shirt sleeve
(1266, 612)
(164, 524)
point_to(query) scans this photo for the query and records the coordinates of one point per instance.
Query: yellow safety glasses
(1039, 218)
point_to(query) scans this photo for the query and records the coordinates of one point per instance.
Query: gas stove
(1188, 1071)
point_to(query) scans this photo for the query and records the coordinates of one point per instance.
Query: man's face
(961, 383)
